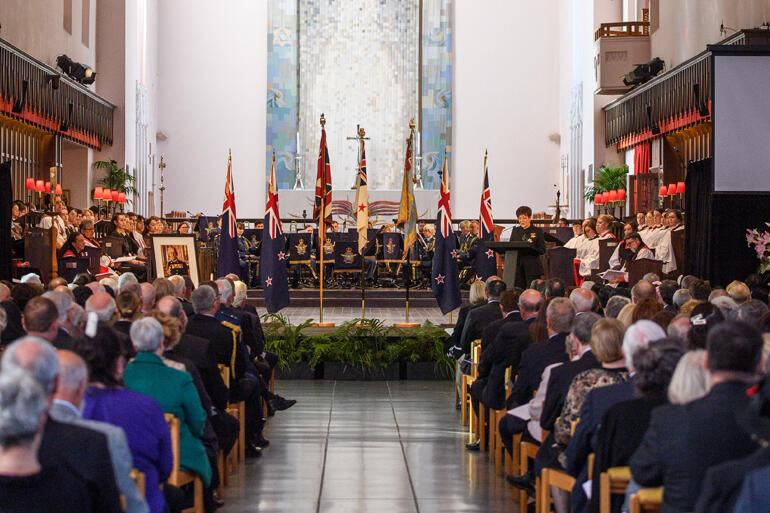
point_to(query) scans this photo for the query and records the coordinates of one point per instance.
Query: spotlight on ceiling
(76, 71)
(644, 72)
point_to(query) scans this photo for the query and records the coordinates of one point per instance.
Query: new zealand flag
(228, 238)
(445, 280)
(486, 261)
(272, 268)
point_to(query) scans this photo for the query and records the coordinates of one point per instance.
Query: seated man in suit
(84, 450)
(41, 320)
(480, 317)
(182, 293)
(684, 441)
(496, 353)
(530, 267)
(63, 302)
(230, 351)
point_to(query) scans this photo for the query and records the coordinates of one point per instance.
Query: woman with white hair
(173, 389)
(25, 484)
(240, 294)
(690, 380)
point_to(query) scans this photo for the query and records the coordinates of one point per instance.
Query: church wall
(212, 76)
(37, 27)
(506, 89)
(683, 29)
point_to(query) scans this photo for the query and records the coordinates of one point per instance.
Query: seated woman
(607, 345)
(75, 246)
(26, 485)
(624, 424)
(140, 416)
(173, 389)
(128, 306)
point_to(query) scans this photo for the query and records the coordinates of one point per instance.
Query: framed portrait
(175, 254)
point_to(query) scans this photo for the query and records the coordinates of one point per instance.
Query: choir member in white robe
(588, 252)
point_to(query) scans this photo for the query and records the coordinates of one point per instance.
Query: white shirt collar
(69, 406)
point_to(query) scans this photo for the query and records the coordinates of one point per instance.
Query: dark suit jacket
(530, 263)
(462, 315)
(201, 353)
(186, 306)
(221, 339)
(490, 332)
(597, 402)
(683, 441)
(722, 484)
(534, 360)
(477, 319)
(13, 329)
(123, 326)
(63, 340)
(500, 354)
(85, 451)
(558, 386)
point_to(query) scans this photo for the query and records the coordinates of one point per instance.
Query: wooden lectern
(512, 250)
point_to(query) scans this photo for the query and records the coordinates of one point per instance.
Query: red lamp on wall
(30, 186)
(58, 190)
(48, 187)
(621, 195)
(115, 195)
(613, 195)
(122, 197)
(107, 195)
(598, 199)
(39, 186)
(663, 191)
(680, 188)
(671, 189)
(98, 191)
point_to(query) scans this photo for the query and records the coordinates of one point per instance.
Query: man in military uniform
(426, 248)
(466, 256)
(175, 265)
(244, 252)
(529, 267)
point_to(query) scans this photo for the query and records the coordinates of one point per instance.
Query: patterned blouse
(578, 391)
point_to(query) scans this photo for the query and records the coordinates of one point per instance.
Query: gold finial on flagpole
(323, 120)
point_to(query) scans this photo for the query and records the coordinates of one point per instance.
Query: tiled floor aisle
(365, 447)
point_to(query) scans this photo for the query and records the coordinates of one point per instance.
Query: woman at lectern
(529, 267)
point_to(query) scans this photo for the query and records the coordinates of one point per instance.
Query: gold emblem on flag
(348, 256)
(301, 247)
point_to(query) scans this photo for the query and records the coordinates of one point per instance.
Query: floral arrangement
(760, 241)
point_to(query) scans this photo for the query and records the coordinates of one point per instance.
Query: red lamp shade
(30, 184)
(122, 197)
(107, 195)
(613, 195)
(598, 199)
(605, 197)
(98, 193)
(663, 191)
(680, 188)
(115, 195)
(58, 189)
(39, 187)
(671, 189)
(48, 187)
(621, 194)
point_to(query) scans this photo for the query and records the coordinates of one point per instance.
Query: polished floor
(365, 447)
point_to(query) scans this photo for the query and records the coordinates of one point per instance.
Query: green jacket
(174, 390)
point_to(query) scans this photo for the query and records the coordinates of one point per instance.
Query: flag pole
(405, 257)
(322, 235)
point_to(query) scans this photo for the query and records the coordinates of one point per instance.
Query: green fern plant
(115, 178)
(608, 179)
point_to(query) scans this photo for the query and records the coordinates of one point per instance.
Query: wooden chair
(465, 382)
(139, 480)
(646, 500)
(554, 477)
(613, 481)
(497, 451)
(528, 451)
(237, 410)
(179, 477)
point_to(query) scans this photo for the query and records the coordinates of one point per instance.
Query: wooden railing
(85, 116)
(623, 29)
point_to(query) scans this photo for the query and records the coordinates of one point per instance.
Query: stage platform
(344, 305)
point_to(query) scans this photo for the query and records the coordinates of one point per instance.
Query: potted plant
(290, 345)
(115, 178)
(355, 351)
(420, 352)
(608, 179)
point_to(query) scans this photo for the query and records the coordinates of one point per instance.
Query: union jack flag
(323, 184)
(445, 277)
(272, 269)
(228, 207)
(486, 224)
(485, 261)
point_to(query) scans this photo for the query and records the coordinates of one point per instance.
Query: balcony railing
(623, 29)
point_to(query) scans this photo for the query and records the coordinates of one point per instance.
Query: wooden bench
(646, 500)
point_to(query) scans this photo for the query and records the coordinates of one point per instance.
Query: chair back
(560, 264)
(173, 427)
(40, 251)
(606, 249)
(224, 371)
(113, 246)
(71, 267)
